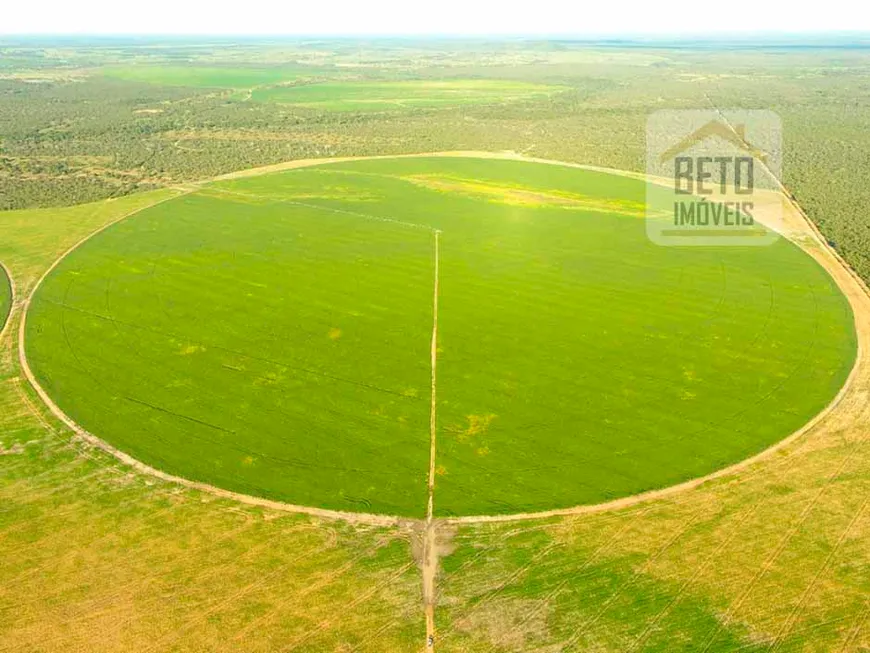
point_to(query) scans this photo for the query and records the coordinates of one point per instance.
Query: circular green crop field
(272, 336)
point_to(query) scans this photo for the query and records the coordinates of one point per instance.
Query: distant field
(5, 297)
(380, 96)
(271, 335)
(203, 76)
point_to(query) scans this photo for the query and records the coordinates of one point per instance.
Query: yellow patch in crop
(344, 193)
(187, 350)
(441, 470)
(334, 333)
(237, 197)
(247, 461)
(410, 392)
(528, 197)
(510, 623)
(477, 425)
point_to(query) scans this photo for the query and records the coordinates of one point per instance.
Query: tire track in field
(792, 617)
(91, 608)
(517, 573)
(525, 530)
(652, 623)
(74, 509)
(95, 609)
(398, 618)
(39, 498)
(102, 475)
(499, 541)
(778, 551)
(798, 632)
(628, 584)
(855, 631)
(30, 572)
(87, 614)
(359, 600)
(575, 574)
(330, 577)
(788, 464)
(173, 636)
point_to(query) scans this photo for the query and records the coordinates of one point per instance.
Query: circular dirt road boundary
(800, 230)
(6, 320)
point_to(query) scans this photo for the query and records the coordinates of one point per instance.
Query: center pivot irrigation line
(434, 362)
(430, 552)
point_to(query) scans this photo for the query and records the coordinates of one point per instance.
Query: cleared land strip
(434, 363)
(430, 545)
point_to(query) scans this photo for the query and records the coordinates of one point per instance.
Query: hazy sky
(431, 17)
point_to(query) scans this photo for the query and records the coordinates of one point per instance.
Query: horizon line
(629, 35)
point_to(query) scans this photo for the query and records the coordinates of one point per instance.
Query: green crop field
(381, 96)
(271, 336)
(203, 76)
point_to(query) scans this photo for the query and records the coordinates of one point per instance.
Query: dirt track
(430, 552)
(13, 298)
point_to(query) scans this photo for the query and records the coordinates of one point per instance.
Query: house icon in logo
(736, 136)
